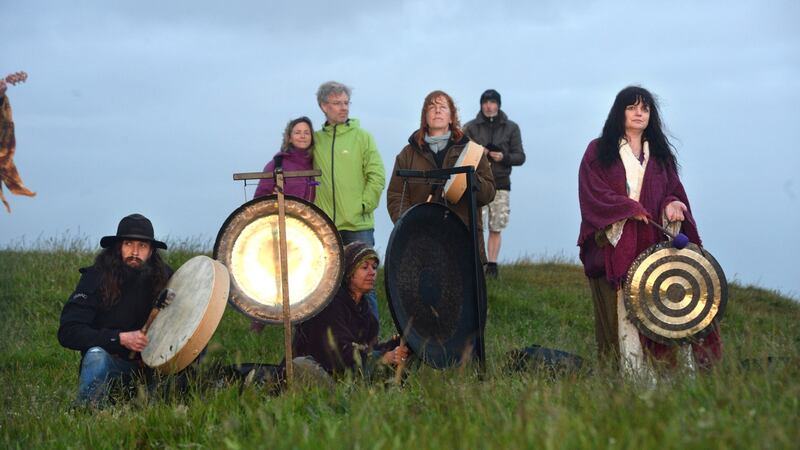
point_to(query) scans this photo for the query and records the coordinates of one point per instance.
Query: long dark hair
(112, 273)
(614, 129)
(455, 124)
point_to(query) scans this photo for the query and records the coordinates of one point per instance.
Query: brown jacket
(414, 158)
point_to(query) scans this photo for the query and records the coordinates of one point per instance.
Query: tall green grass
(544, 302)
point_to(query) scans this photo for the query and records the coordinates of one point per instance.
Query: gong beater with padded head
(674, 295)
(429, 282)
(248, 243)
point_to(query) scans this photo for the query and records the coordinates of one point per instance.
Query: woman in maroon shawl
(628, 176)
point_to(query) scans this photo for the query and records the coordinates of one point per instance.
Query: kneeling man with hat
(103, 317)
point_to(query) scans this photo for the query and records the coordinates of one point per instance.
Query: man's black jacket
(87, 323)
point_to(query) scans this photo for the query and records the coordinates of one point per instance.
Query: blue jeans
(368, 237)
(98, 368)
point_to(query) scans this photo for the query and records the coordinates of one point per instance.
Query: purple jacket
(303, 187)
(335, 335)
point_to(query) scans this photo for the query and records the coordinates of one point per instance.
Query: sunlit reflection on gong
(255, 258)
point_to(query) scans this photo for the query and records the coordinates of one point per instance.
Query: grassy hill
(545, 303)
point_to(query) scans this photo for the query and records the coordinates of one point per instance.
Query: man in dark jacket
(103, 317)
(501, 137)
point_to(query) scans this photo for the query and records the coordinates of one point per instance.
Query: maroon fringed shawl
(604, 200)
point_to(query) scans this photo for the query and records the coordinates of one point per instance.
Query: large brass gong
(248, 244)
(674, 295)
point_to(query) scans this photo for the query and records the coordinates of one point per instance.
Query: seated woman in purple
(295, 154)
(344, 335)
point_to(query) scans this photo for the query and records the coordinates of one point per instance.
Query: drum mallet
(679, 240)
(162, 301)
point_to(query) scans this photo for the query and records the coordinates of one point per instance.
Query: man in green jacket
(353, 177)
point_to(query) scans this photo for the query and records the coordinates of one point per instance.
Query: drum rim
(288, 198)
(438, 359)
(447, 192)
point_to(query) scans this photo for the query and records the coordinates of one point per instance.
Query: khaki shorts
(498, 211)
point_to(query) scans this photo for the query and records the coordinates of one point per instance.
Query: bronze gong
(248, 244)
(674, 295)
(429, 277)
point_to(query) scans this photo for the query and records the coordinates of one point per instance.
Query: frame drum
(248, 244)
(183, 328)
(454, 187)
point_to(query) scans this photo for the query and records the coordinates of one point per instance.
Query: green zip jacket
(352, 175)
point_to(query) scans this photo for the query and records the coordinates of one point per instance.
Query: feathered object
(8, 170)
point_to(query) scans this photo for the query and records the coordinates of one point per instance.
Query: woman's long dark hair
(614, 129)
(112, 273)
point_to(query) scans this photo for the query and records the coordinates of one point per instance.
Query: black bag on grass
(555, 362)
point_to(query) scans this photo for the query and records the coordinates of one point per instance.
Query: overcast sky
(151, 106)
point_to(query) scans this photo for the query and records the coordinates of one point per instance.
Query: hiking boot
(491, 270)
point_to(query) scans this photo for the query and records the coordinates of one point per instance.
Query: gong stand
(438, 176)
(279, 176)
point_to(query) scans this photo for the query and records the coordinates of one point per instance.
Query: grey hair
(331, 87)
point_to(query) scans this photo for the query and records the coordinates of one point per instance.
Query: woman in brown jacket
(437, 144)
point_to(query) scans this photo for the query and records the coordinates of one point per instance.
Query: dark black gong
(429, 276)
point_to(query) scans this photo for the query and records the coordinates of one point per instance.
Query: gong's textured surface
(674, 295)
(429, 276)
(248, 243)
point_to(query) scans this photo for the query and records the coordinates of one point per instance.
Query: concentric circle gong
(673, 296)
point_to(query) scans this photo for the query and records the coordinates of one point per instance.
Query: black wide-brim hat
(134, 226)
